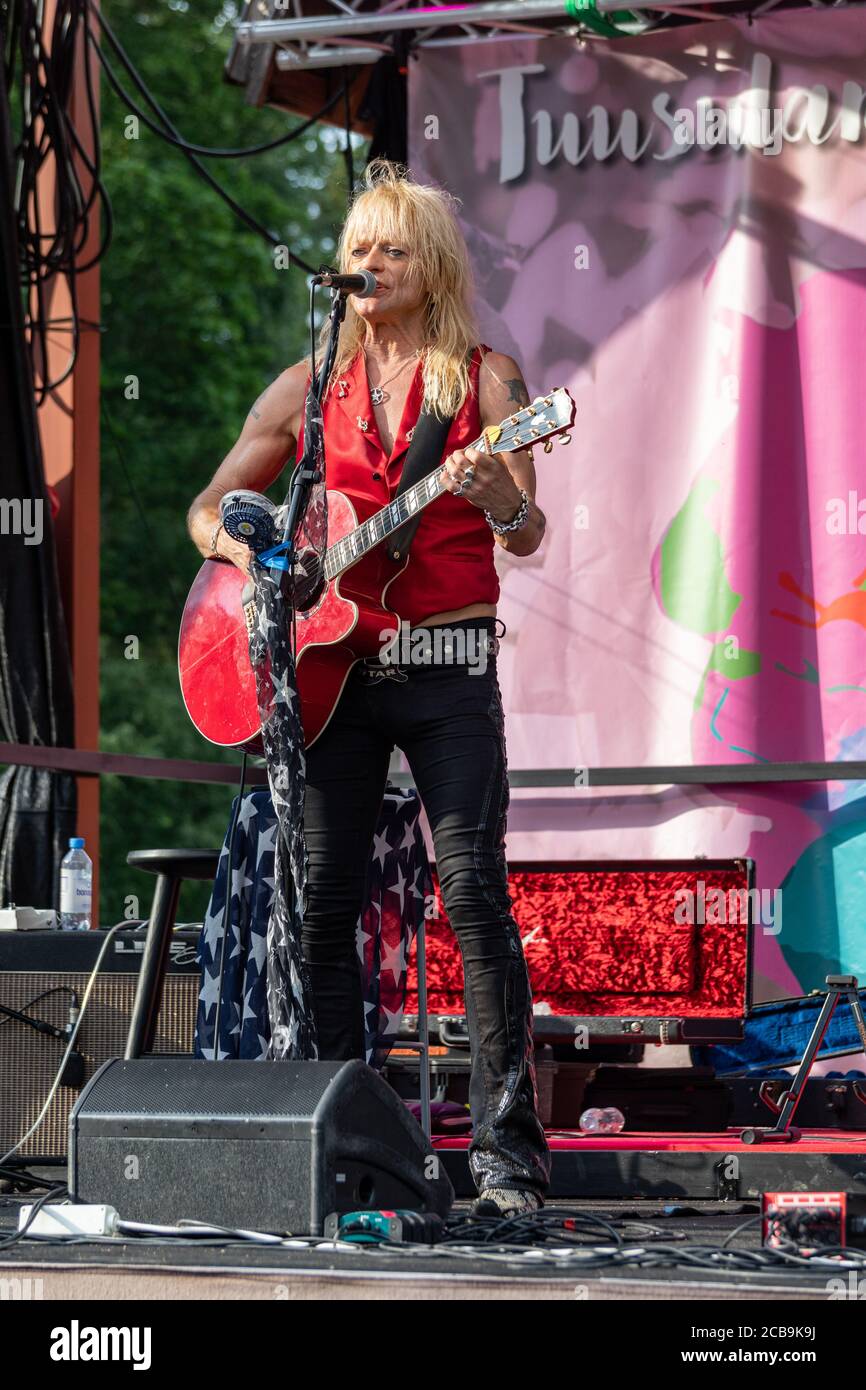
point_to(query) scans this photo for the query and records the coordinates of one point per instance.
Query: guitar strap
(425, 451)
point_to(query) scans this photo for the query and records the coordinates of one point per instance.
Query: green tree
(196, 320)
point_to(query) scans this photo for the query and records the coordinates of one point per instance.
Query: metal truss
(354, 32)
(276, 38)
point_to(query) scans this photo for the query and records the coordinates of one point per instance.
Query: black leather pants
(448, 721)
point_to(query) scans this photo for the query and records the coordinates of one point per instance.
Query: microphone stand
(281, 556)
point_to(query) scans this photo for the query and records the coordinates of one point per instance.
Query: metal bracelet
(214, 536)
(502, 528)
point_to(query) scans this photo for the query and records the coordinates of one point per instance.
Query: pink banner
(673, 227)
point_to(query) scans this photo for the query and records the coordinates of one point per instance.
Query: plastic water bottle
(598, 1121)
(76, 880)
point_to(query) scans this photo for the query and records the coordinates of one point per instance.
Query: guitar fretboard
(345, 552)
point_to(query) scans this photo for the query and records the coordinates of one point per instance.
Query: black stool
(171, 866)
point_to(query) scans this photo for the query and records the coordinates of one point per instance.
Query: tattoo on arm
(517, 390)
(254, 411)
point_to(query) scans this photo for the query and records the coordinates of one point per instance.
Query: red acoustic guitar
(346, 623)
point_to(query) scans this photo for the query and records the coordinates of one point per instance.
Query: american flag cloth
(277, 596)
(398, 892)
(289, 995)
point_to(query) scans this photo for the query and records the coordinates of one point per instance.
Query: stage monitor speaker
(267, 1146)
(41, 973)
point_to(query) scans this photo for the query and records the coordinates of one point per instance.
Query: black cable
(227, 908)
(742, 1227)
(58, 1191)
(107, 938)
(24, 1179)
(43, 67)
(205, 151)
(39, 1024)
(240, 212)
(55, 989)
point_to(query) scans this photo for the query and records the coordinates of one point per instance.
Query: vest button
(376, 477)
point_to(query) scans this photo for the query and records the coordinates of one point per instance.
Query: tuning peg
(548, 446)
(565, 439)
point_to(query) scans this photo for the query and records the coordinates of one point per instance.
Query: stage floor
(667, 1216)
(164, 1271)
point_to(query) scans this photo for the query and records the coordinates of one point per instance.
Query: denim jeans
(448, 721)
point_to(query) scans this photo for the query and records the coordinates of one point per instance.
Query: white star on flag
(247, 813)
(392, 1021)
(210, 991)
(398, 886)
(240, 880)
(282, 694)
(213, 928)
(259, 950)
(267, 842)
(394, 959)
(381, 847)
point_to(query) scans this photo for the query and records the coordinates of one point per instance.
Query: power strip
(69, 1220)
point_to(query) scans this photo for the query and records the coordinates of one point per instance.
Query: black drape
(37, 807)
(385, 103)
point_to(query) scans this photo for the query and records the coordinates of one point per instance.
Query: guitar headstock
(544, 418)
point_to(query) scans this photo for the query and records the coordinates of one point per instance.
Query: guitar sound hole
(311, 612)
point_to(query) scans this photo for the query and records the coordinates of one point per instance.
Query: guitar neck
(372, 532)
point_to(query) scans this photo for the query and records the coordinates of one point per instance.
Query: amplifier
(38, 973)
(265, 1146)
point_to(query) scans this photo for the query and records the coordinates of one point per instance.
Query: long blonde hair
(391, 207)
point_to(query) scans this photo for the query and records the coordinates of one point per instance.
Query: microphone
(363, 284)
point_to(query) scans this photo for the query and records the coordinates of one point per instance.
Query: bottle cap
(76, 843)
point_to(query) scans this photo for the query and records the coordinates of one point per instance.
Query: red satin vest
(451, 556)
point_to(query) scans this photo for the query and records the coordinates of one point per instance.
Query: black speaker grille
(29, 1060)
(287, 1090)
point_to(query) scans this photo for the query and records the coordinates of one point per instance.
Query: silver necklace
(378, 394)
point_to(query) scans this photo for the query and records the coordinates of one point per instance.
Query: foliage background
(194, 308)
